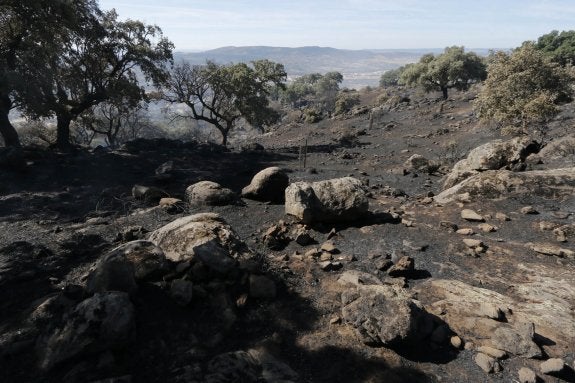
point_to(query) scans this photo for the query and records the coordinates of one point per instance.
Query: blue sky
(350, 24)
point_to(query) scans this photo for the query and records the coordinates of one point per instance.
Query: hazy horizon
(349, 24)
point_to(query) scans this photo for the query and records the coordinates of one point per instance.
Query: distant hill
(359, 67)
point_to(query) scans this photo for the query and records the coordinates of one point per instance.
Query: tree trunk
(7, 131)
(444, 91)
(63, 131)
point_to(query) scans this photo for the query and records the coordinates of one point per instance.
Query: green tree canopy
(221, 95)
(523, 87)
(454, 68)
(314, 90)
(559, 46)
(30, 32)
(391, 77)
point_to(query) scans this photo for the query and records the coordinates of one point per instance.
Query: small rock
(402, 268)
(502, 217)
(407, 222)
(456, 342)
(472, 243)
(528, 210)
(332, 233)
(487, 363)
(487, 228)
(325, 256)
(493, 352)
(330, 266)
(471, 215)
(551, 366)
(148, 193)
(329, 247)
(304, 239)
(335, 320)
(170, 201)
(527, 375)
(465, 231)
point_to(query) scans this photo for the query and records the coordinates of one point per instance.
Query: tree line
(77, 64)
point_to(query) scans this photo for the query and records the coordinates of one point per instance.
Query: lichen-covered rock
(267, 185)
(208, 193)
(335, 200)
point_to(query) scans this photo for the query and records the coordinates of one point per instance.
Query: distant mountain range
(360, 68)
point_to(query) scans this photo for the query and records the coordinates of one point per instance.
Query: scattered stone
(332, 233)
(407, 222)
(267, 185)
(527, 375)
(465, 231)
(103, 322)
(493, 352)
(487, 363)
(336, 200)
(330, 266)
(208, 193)
(329, 247)
(304, 239)
(560, 235)
(552, 366)
(487, 228)
(357, 278)
(456, 342)
(472, 243)
(411, 245)
(502, 217)
(325, 256)
(528, 210)
(417, 163)
(335, 320)
(449, 226)
(277, 237)
(166, 202)
(404, 267)
(471, 215)
(182, 291)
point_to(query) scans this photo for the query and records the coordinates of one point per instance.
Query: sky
(349, 24)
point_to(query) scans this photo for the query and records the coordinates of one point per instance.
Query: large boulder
(102, 322)
(494, 184)
(541, 304)
(267, 185)
(112, 272)
(493, 155)
(335, 200)
(208, 193)
(205, 236)
(385, 315)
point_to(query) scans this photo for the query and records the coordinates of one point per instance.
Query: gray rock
(112, 272)
(404, 267)
(417, 163)
(180, 238)
(208, 193)
(148, 260)
(470, 215)
(336, 200)
(517, 340)
(267, 185)
(493, 184)
(493, 155)
(384, 315)
(102, 322)
(487, 363)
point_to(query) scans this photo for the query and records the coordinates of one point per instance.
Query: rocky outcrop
(542, 305)
(267, 185)
(494, 184)
(336, 200)
(208, 193)
(494, 155)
